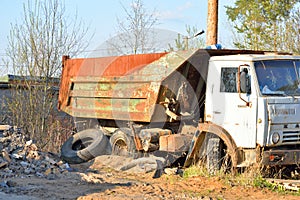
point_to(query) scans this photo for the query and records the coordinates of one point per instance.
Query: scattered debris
(147, 164)
(174, 171)
(3, 164)
(293, 185)
(19, 156)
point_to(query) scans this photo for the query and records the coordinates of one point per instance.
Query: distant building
(10, 80)
(9, 83)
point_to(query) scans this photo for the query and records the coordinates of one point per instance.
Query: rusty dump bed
(133, 87)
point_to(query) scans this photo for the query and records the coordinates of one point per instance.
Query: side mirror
(243, 82)
(245, 86)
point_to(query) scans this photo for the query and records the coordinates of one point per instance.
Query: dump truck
(233, 107)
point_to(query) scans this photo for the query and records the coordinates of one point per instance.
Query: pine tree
(261, 24)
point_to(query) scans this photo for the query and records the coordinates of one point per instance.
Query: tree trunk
(212, 23)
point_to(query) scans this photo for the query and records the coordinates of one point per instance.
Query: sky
(100, 17)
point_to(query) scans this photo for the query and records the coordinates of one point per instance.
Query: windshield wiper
(275, 94)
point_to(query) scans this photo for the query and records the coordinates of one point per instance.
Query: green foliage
(195, 171)
(291, 39)
(263, 183)
(262, 25)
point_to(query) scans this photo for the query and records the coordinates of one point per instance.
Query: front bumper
(281, 157)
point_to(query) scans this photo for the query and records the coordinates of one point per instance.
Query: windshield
(278, 77)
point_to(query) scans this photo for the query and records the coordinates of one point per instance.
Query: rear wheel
(122, 143)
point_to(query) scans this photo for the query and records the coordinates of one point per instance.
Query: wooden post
(212, 23)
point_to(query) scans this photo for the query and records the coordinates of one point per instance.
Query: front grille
(291, 134)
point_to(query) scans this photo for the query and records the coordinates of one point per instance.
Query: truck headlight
(275, 137)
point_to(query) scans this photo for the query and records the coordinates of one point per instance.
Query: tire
(213, 154)
(84, 146)
(122, 143)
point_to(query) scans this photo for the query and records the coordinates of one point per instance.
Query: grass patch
(248, 177)
(195, 171)
(171, 179)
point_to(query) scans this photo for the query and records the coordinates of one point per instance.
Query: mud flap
(196, 144)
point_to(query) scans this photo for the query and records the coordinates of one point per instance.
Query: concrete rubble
(19, 156)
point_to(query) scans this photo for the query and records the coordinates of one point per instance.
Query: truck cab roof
(254, 57)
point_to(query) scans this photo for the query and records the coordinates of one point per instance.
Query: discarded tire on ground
(122, 143)
(84, 146)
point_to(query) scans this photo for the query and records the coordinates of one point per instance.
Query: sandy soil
(98, 179)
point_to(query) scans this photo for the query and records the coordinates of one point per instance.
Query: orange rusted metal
(128, 88)
(95, 80)
(175, 142)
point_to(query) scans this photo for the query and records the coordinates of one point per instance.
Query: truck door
(233, 110)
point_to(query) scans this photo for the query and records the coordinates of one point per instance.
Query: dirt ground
(98, 179)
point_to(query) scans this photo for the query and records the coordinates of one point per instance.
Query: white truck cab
(256, 99)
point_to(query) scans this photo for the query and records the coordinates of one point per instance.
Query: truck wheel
(122, 143)
(213, 154)
(84, 146)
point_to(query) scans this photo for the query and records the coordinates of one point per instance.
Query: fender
(199, 137)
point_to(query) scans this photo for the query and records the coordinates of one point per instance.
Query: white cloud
(167, 15)
(176, 13)
(187, 5)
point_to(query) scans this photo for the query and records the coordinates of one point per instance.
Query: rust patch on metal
(175, 142)
(101, 84)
